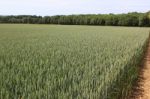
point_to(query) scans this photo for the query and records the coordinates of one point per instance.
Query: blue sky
(65, 7)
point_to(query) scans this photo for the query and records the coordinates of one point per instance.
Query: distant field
(69, 62)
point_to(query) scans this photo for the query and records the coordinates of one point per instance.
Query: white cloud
(52, 7)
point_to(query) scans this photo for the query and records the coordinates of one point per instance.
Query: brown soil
(142, 89)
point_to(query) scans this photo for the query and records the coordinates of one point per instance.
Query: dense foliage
(130, 19)
(69, 62)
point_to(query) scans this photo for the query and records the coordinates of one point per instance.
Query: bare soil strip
(142, 89)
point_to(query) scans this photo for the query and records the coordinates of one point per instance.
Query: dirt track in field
(142, 89)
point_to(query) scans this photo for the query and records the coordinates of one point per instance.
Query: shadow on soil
(137, 90)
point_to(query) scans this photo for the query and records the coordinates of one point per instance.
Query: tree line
(129, 19)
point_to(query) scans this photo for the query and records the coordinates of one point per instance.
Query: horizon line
(76, 14)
